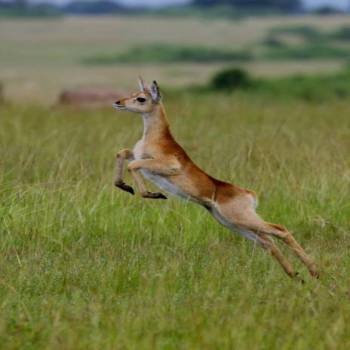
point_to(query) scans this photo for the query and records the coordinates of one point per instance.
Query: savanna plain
(85, 266)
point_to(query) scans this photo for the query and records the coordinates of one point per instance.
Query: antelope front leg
(122, 155)
(157, 167)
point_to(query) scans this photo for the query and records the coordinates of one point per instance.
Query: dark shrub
(273, 42)
(342, 34)
(231, 79)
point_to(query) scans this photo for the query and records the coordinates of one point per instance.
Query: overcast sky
(340, 3)
(309, 3)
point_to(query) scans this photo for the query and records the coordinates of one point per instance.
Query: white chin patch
(117, 107)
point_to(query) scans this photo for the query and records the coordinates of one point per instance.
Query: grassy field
(85, 266)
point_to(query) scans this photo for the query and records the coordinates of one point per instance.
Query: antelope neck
(155, 124)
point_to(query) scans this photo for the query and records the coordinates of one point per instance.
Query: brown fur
(159, 154)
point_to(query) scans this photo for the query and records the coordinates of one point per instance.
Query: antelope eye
(141, 99)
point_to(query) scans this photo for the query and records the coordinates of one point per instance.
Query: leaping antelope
(160, 159)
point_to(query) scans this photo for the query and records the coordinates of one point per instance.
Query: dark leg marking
(123, 186)
(153, 195)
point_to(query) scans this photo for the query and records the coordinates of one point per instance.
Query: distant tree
(284, 5)
(326, 11)
(20, 4)
(92, 7)
(25, 8)
(210, 2)
(5, 4)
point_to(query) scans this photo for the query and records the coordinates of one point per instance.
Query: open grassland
(85, 266)
(38, 58)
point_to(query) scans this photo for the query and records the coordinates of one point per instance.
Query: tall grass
(85, 266)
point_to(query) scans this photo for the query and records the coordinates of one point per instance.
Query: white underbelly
(241, 231)
(165, 184)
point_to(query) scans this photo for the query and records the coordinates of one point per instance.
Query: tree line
(281, 5)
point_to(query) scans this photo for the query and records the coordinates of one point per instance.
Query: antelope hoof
(153, 195)
(315, 274)
(123, 186)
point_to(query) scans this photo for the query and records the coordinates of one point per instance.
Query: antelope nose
(117, 102)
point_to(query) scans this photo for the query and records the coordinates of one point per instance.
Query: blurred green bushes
(163, 53)
(307, 52)
(342, 34)
(314, 43)
(305, 31)
(307, 87)
(311, 43)
(312, 34)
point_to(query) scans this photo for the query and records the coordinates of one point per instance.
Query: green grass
(85, 266)
(313, 87)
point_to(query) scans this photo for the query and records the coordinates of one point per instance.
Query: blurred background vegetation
(289, 47)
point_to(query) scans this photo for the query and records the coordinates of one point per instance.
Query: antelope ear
(155, 93)
(141, 84)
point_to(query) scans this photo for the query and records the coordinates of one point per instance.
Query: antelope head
(142, 101)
